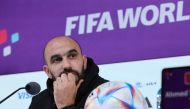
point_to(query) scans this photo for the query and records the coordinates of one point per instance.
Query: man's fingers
(58, 80)
(71, 77)
(64, 78)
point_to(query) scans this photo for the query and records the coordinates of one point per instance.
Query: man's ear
(85, 61)
(46, 70)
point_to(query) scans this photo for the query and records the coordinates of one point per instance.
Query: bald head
(64, 43)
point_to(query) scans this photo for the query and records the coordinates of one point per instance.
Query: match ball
(115, 95)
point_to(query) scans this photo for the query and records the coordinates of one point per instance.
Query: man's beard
(66, 71)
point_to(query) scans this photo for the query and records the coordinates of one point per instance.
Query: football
(115, 95)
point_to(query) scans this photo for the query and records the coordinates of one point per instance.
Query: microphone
(32, 88)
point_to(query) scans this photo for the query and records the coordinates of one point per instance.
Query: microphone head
(33, 88)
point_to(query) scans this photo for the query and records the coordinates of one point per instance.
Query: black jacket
(45, 99)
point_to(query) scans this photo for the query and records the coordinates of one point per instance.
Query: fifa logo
(4, 38)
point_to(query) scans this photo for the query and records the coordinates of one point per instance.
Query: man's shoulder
(99, 80)
(43, 100)
(45, 94)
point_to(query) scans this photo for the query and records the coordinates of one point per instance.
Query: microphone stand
(11, 94)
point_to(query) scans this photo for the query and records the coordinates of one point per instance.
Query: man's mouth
(70, 71)
(77, 76)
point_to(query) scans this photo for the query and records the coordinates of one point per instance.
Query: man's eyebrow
(72, 50)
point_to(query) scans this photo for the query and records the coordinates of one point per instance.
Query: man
(71, 76)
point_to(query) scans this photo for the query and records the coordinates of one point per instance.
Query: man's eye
(56, 59)
(72, 55)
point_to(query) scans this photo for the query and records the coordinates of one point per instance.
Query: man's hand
(65, 90)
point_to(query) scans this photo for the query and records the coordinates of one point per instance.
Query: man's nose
(66, 64)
